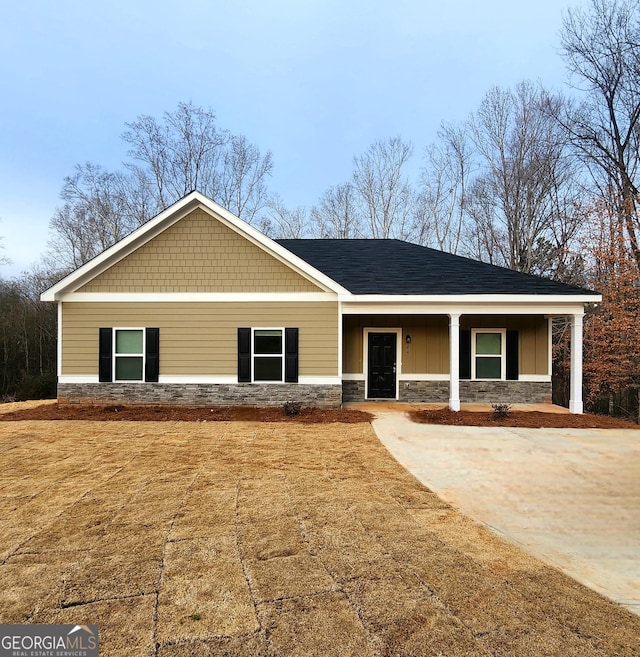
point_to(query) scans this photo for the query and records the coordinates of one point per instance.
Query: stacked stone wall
(319, 396)
(506, 392)
(353, 391)
(424, 391)
(498, 392)
(201, 394)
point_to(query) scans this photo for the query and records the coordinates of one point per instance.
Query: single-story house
(197, 307)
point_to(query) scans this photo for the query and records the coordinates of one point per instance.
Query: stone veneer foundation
(352, 391)
(319, 396)
(490, 392)
(506, 392)
(201, 394)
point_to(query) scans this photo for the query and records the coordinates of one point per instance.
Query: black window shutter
(512, 365)
(152, 355)
(291, 355)
(105, 353)
(465, 354)
(244, 355)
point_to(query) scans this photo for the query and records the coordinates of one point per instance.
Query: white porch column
(575, 395)
(454, 362)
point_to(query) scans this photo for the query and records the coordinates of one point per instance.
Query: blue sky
(315, 81)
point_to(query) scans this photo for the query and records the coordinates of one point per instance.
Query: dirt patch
(55, 411)
(51, 410)
(529, 419)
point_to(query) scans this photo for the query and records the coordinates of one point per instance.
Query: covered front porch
(424, 356)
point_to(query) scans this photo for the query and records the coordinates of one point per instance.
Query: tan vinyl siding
(428, 352)
(201, 338)
(199, 254)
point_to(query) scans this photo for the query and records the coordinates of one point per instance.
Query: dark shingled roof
(371, 266)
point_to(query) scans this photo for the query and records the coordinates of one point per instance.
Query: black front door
(381, 381)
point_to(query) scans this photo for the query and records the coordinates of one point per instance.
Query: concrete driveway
(569, 496)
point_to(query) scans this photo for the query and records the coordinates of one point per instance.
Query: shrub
(292, 408)
(501, 410)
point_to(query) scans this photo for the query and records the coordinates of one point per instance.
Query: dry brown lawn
(247, 539)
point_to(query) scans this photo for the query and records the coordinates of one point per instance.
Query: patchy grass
(250, 539)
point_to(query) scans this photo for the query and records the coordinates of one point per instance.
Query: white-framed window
(267, 354)
(488, 354)
(128, 354)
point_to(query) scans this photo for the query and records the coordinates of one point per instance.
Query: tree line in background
(534, 180)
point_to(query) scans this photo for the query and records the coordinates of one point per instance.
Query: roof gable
(199, 254)
(93, 276)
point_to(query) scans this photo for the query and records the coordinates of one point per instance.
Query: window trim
(281, 355)
(115, 355)
(502, 355)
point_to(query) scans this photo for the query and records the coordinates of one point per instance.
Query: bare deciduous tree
(336, 215)
(172, 157)
(179, 154)
(4, 260)
(186, 151)
(442, 199)
(99, 210)
(522, 190)
(384, 194)
(243, 174)
(601, 47)
(280, 222)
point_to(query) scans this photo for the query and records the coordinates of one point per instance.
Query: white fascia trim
(80, 378)
(59, 345)
(306, 380)
(197, 297)
(198, 378)
(220, 379)
(423, 377)
(340, 339)
(166, 219)
(494, 305)
(451, 299)
(549, 346)
(233, 379)
(535, 378)
(319, 380)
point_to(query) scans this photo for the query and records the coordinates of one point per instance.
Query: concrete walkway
(569, 496)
